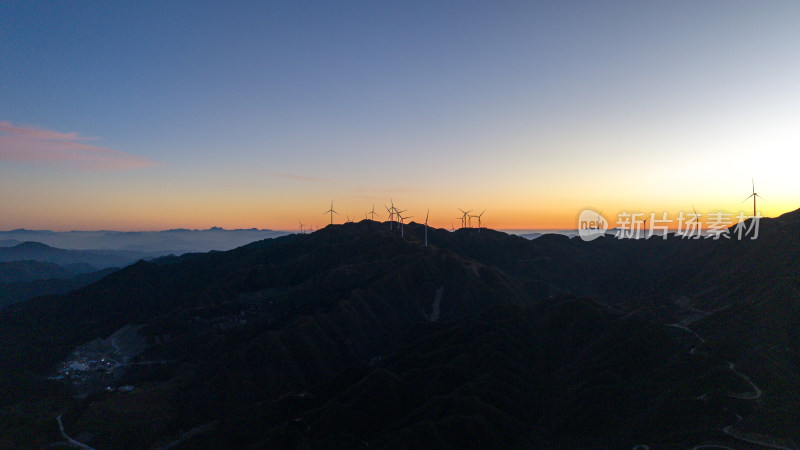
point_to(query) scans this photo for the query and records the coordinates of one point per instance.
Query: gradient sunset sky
(167, 114)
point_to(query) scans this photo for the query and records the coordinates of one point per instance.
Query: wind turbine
(301, 227)
(331, 211)
(464, 217)
(691, 224)
(392, 211)
(479, 220)
(402, 220)
(754, 195)
(697, 216)
(371, 212)
(391, 215)
(426, 226)
(470, 219)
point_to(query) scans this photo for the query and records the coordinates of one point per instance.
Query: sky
(158, 115)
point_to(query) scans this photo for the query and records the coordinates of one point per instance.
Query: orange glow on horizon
(236, 216)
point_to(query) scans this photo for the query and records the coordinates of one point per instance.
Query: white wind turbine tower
(426, 226)
(599, 218)
(471, 216)
(754, 195)
(694, 220)
(397, 213)
(402, 220)
(392, 211)
(464, 217)
(331, 211)
(391, 215)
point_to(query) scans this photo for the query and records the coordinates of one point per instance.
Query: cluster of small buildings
(80, 369)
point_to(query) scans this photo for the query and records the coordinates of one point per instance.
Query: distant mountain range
(22, 271)
(176, 241)
(47, 279)
(353, 336)
(90, 259)
(32, 269)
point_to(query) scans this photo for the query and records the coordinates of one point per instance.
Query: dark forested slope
(354, 335)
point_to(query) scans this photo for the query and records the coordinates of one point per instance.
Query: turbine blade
(748, 197)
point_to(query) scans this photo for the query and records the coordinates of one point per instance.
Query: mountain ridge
(301, 331)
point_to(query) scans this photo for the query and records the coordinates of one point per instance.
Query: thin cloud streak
(34, 145)
(362, 189)
(292, 176)
(389, 191)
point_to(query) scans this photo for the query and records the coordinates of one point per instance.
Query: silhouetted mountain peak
(31, 245)
(792, 217)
